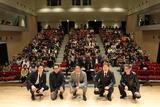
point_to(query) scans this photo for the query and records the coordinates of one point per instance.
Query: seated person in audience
(78, 80)
(6, 68)
(32, 68)
(57, 83)
(24, 73)
(129, 79)
(143, 66)
(26, 62)
(36, 82)
(42, 48)
(104, 81)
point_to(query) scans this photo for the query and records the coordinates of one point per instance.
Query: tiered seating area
(83, 50)
(120, 48)
(42, 49)
(152, 73)
(11, 75)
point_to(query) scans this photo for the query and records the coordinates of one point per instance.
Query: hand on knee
(73, 90)
(61, 89)
(137, 95)
(33, 88)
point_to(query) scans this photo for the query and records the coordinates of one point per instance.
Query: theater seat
(142, 77)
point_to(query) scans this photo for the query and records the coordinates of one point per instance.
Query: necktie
(39, 78)
(78, 79)
(105, 75)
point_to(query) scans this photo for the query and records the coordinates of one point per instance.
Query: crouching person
(129, 79)
(57, 83)
(78, 80)
(36, 82)
(104, 81)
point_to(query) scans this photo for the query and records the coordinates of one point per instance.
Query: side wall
(147, 40)
(16, 41)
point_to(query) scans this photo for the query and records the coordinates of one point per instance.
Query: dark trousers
(23, 79)
(102, 90)
(131, 88)
(55, 92)
(38, 88)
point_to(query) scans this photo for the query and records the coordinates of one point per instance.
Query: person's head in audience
(24, 66)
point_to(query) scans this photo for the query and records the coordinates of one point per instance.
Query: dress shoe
(123, 96)
(61, 96)
(84, 98)
(32, 97)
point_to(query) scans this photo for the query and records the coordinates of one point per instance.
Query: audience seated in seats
(6, 68)
(32, 68)
(42, 49)
(82, 49)
(24, 73)
(121, 49)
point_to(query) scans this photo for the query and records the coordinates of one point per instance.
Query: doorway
(158, 56)
(67, 26)
(3, 53)
(95, 25)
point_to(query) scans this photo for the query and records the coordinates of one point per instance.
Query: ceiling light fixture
(118, 10)
(44, 10)
(87, 9)
(58, 9)
(75, 9)
(105, 9)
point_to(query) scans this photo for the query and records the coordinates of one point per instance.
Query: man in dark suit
(57, 83)
(78, 80)
(129, 79)
(104, 81)
(36, 82)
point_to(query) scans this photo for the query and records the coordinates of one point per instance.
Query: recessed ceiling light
(118, 10)
(87, 9)
(49, 10)
(105, 9)
(75, 9)
(58, 9)
(44, 10)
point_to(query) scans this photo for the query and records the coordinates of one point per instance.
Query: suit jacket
(32, 78)
(56, 80)
(101, 81)
(132, 82)
(74, 79)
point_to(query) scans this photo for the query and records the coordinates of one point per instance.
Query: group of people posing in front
(104, 82)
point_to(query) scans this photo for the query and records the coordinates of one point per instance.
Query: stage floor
(16, 96)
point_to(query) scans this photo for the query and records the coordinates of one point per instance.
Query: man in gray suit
(78, 80)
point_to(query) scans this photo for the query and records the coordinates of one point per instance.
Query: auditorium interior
(84, 33)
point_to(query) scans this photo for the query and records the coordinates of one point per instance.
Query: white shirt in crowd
(26, 63)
